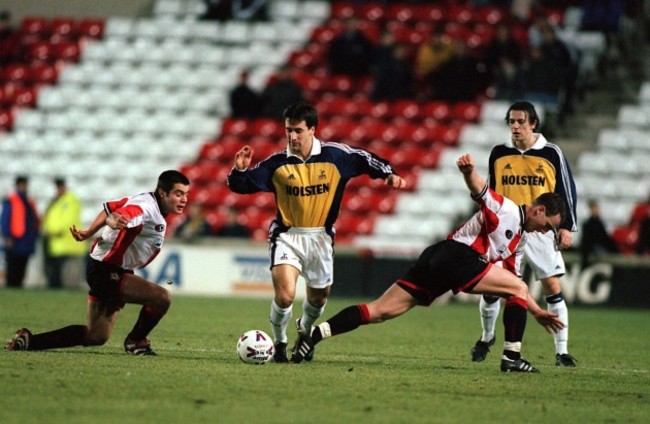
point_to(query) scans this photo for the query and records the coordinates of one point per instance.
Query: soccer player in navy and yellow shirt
(522, 169)
(308, 180)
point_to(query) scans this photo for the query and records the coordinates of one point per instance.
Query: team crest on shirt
(509, 234)
(322, 175)
(159, 228)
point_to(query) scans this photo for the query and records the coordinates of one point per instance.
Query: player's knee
(163, 300)
(96, 338)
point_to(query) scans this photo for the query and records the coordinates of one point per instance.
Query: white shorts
(541, 254)
(310, 250)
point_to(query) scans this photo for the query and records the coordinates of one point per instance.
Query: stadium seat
(91, 28)
(6, 119)
(408, 109)
(402, 12)
(62, 27)
(35, 25)
(342, 10)
(43, 73)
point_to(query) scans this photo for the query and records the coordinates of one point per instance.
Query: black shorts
(105, 281)
(447, 265)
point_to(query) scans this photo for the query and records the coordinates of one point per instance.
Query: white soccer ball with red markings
(255, 347)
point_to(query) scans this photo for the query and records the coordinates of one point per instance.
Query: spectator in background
(19, 223)
(9, 39)
(503, 57)
(244, 101)
(595, 238)
(393, 78)
(59, 247)
(542, 80)
(350, 52)
(457, 79)
(431, 54)
(280, 93)
(193, 224)
(232, 227)
(565, 56)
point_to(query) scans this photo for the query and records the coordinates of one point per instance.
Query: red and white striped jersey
(495, 230)
(138, 244)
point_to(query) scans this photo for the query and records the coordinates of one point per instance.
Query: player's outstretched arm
(474, 181)
(98, 222)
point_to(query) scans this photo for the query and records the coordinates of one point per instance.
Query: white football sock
(310, 314)
(489, 315)
(561, 338)
(279, 319)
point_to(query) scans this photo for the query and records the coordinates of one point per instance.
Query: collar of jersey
(538, 145)
(315, 149)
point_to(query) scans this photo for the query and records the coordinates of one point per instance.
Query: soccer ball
(255, 347)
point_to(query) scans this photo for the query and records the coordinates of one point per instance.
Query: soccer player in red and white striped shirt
(465, 262)
(132, 234)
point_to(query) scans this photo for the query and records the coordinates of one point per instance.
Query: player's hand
(116, 221)
(395, 181)
(243, 158)
(465, 164)
(564, 238)
(79, 235)
(549, 321)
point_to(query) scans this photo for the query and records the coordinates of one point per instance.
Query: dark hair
(553, 203)
(168, 179)
(297, 112)
(21, 179)
(527, 107)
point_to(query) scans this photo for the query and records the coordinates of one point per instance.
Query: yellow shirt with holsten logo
(524, 175)
(308, 193)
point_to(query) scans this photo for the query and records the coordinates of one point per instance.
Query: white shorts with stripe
(542, 254)
(310, 250)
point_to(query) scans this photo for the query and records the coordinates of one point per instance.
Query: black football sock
(146, 322)
(346, 320)
(514, 321)
(72, 335)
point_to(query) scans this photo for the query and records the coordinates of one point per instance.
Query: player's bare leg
(155, 301)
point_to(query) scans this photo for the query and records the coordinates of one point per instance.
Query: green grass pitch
(414, 369)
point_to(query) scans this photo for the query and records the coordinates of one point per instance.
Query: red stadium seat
(381, 110)
(405, 13)
(408, 109)
(43, 73)
(25, 97)
(490, 15)
(92, 28)
(440, 111)
(64, 28)
(460, 14)
(431, 13)
(35, 25)
(270, 128)
(42, 51)
(372, 12)
(343, 10)
(16, 72)
(323, 35)
(6, 119)
(68, 51)
(238, 127)
(467, 111)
